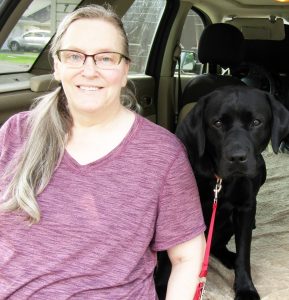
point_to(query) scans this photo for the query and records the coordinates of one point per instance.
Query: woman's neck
(100, 119)
(90, 141)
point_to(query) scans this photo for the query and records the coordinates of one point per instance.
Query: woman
(102, 188)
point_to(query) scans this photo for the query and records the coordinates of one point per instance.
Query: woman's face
(88, 88)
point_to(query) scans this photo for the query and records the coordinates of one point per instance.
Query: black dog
(225, 134)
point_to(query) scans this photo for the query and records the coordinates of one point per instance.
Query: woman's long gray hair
(49, 128)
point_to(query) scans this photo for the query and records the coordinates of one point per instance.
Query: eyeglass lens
(102, 60)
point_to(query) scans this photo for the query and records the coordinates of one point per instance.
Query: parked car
(156, 29)
(30, 40)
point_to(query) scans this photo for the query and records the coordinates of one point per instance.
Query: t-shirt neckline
(67, 158)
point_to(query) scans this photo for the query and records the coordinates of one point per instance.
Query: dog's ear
(280, 122)
(191, 130)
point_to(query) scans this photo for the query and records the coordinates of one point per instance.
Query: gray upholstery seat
(220, 45)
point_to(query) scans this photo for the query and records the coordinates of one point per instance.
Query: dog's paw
(247, 295)
(226, 257)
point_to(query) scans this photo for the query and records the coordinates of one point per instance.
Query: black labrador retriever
(225, 134)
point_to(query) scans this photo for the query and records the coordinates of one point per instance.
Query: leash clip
(217, 188)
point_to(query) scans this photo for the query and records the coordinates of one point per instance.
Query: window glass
(141, 22)
(32, 33)
(191, 33)
(1, 4)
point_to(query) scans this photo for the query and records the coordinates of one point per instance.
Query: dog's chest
(235, 195)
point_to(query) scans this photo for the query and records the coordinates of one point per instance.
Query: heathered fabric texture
(102, 223)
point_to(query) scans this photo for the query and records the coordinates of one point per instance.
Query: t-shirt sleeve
(180, 215)
(12, 132)
(3, 131)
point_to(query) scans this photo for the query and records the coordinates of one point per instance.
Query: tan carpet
(270, 244)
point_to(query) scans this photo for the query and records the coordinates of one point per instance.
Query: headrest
(203, 84)
(260, 28)
(221, 44)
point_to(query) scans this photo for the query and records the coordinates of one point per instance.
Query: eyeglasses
(104, 60)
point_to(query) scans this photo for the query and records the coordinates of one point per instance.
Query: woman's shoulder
(18, 119)
(13, 133)
(157, 135)
(16, 125)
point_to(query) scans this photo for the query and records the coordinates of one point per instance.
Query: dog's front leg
(244, 220)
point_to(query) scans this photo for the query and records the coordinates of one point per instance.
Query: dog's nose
(238, 157)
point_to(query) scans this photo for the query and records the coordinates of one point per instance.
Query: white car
(30, 40)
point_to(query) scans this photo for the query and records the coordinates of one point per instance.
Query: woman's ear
(126, 69)
(56, 72)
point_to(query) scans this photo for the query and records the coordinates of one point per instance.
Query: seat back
(220, 45)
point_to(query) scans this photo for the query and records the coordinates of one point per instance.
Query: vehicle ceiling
(220, 9)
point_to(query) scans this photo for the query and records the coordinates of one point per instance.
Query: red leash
(201, 286)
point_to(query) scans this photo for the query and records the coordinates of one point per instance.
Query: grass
(19, 58)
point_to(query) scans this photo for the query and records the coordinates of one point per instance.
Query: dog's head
(228, 129)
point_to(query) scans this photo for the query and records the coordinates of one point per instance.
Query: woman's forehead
(92, 34)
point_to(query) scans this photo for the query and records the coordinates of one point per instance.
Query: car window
(191, 33)
(32, 33)
(141, 22)
(1, 4)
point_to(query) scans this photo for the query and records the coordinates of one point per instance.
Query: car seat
(220, 45)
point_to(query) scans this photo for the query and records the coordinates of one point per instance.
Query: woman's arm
(186, 260)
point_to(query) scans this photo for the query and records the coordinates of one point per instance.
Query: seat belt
(178, 91)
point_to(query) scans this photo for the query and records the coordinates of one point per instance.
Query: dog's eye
(218, 124)
(255, 123)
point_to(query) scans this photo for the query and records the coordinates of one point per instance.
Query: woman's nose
(89, 67)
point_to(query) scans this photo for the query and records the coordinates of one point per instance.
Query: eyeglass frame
(92, 56)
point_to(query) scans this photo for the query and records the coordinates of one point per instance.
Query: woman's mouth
(89, 88)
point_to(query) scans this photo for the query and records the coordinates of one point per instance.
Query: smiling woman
(102, 187)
